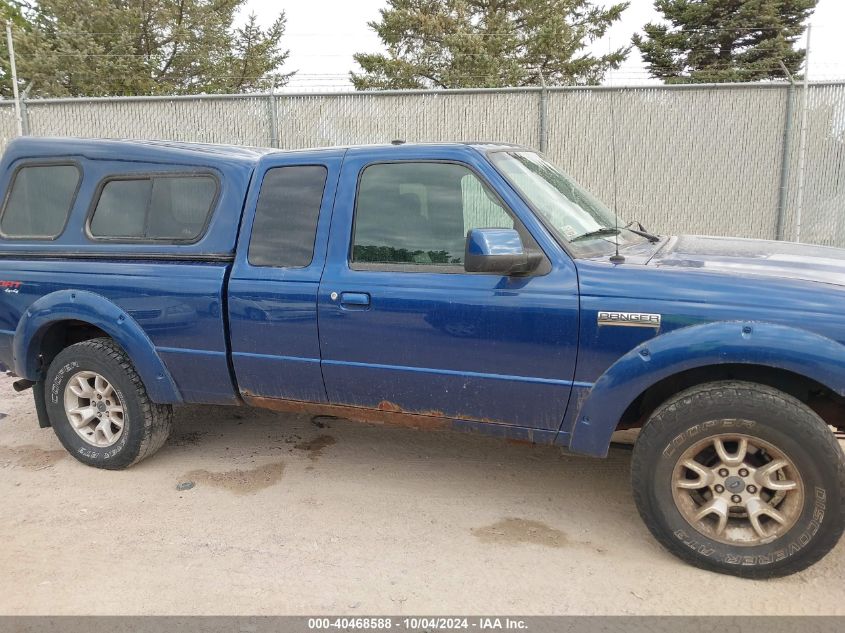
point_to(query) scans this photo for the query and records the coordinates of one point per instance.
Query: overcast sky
(324, 34)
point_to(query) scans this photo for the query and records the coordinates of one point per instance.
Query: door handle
(355, 300)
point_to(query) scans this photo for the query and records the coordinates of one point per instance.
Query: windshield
(569, 209)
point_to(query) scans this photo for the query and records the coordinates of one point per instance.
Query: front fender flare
(737, 342)
(89, 307)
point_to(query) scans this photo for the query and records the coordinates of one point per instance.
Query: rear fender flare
(96, 310)
(737, 342)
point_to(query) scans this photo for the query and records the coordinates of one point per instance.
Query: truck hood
(785, 260)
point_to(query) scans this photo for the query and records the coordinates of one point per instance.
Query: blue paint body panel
(162, 305)
(708, 318)
(517, 357)
(273, 311)
(468, 346)
(171, 295)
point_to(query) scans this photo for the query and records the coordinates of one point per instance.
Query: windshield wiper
(611, 230)
(641, 230)
(605, 230)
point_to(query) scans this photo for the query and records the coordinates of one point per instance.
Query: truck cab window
(419, 213)
(39, 201)
(286, 216)
(172, 208)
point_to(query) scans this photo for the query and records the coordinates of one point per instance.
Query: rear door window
(39, 201)
(155, 208)
(286, 216)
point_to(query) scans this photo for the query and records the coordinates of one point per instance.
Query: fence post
(786, 148)
(274, 120)
(24, 119)
(24, 112)
(544, 105)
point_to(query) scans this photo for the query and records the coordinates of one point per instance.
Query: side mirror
(498, 251)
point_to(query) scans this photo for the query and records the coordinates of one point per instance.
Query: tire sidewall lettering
(795, 545)
(92, 453)
(794, 542)
(712, 425)
(57, 385)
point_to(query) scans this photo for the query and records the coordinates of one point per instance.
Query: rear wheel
(740, 478)
(99, 408)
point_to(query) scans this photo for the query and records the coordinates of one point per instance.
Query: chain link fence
(717, 159)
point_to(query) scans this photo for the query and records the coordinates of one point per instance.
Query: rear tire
(99, 408)
(740, 478)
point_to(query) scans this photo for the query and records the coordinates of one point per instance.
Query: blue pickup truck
(444, 286)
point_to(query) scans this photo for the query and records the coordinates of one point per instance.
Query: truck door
(404, 327)
(273, 287)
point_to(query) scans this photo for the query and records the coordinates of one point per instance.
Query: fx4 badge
(10, 287)
(629, 319)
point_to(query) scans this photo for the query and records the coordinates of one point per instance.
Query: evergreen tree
(255, 58)
(488, 43)
(724, 40)
(141, 47)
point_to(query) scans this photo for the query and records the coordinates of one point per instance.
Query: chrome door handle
(355, 299)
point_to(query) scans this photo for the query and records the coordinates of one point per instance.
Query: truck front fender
(96, 310)
(811, 355)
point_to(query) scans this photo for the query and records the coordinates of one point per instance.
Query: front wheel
(740, 478)
(99, 408)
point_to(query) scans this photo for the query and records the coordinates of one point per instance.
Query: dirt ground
(290, 515)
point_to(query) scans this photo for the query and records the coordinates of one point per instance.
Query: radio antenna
(616, 258)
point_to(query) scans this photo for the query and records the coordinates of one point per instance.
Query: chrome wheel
(94, 409)
(737, 489)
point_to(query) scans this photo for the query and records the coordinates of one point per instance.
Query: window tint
(286, 216)
(420, 213)
(156, 208)
(122, 209)
(179, 207)
(481, 210)
(40, 199)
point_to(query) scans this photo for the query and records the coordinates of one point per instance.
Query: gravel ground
(290, 515)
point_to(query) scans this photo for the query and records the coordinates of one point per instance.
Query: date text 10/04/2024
(418, 623)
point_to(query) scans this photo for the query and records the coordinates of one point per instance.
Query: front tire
(99, 408)
(740, 478)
